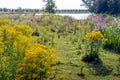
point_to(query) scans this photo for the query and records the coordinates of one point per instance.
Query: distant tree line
(103, 6)
(19, 10)
(49, 7)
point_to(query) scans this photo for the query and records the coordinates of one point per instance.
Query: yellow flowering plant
(94, 41)
(14, 41)
(82, 65)
(4, 21)
(27, 58)
(37, 63)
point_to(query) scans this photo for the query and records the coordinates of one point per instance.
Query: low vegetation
(59, 48)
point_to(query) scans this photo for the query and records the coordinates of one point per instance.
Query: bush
(36, 64)
(112, 33)
(94, 41)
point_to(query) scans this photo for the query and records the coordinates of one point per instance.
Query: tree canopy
(50, 6)
(103, 6)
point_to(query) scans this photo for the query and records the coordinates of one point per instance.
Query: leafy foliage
(112, 33)
(50, 6)
(103, 6)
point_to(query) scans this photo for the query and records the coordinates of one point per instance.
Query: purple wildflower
(101, 20)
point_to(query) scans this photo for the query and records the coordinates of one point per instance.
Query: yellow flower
(34, 75)
(20, 69)
(38, 59)
(24, 29)
(61, 76)
(19, 77)
(4, 21)
(95, 35)
(82, 63)
(1, 43)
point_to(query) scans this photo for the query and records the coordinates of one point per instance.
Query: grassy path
(70, 66)
(70, 61)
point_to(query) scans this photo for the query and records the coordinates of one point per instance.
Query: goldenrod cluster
(94, 43)
(28, 59)
(95, 35)
(4, 21)
(18, 37)
(36, 64)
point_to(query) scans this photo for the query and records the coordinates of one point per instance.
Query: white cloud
(61, 4)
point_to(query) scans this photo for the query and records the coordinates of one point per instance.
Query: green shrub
(94, 41)
(112, 33)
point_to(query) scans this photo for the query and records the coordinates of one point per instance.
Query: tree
(5, 9)
(50, 6)
(103, 6)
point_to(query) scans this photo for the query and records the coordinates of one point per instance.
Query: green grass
(70, 66)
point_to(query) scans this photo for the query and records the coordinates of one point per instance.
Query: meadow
(52, 47)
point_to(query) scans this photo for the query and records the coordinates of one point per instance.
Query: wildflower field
(52, 47)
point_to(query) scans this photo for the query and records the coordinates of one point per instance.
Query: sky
(38, 4)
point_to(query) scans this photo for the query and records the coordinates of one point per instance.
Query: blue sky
(61, 4)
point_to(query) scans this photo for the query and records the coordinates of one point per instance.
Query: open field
(59, 47)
